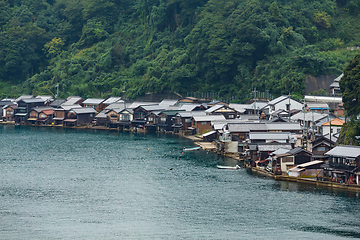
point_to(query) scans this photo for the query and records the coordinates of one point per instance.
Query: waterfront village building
(283, 102)
(344, 162)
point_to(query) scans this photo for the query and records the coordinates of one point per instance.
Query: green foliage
(350, 86)
(95, 47)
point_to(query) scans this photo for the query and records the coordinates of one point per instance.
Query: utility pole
(57, 94)
(289, 105)
(304, 128)
(255, 100)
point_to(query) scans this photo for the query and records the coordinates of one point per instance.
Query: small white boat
(228, 167)
(191, 149)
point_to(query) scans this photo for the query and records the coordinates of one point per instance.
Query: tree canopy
(226, 47)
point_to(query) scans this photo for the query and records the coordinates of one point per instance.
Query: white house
(283, 102)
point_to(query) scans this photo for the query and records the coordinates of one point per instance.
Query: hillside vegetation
(95, 48)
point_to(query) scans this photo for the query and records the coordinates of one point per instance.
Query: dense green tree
(350, 87)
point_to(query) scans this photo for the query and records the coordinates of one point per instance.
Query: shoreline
(211, 147)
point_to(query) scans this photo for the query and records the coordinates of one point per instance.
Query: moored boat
(228, 167)
(192, 149)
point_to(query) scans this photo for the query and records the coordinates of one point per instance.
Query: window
(9, 112)
(188, 120)
(321, 149)
(163, 119)
(203, 123)
(125, 117)
(287, 107)
(231, 116)
(150, 119)
(42, 115)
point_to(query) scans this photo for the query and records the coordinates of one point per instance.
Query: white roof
(344, 151)
(168, 102)
(93, 101)
(310, 98)
(208, 134)
(309, 164)
(111, 100)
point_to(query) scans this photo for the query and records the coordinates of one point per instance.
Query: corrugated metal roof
(68, 107)
(112, 100)
(272, 147)
(208, 118)
(71, 100)
(311, 98)
(269, 135)
(93, 101)
(168, 102)
(150, 108)
(277, 100)
(214, 108)
(246, 127)
(283, 126)
(83, 110)
(280, 151)
(241, 108)
(344, 151)
(309, 116)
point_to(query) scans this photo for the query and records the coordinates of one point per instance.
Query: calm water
(79, 184)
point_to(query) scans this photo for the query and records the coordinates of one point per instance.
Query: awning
(162, 125)
(340, 172)
(138, 121)
(176, 125)
(263, 161)
(295, 169)
(209, 133)
(21, 114)
(31, 119)
(57, 118)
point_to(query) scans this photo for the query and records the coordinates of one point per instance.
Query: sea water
(88, 184)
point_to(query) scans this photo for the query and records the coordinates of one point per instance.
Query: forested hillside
(98, 47)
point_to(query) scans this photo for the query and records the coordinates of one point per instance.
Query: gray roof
(208, 118)
(136, 104)
(151, 108)
(214, 108)
(273, 147)
(83, 110)
(168, 102)
(344, 151)
(309, 116)
(277, 100)
(93, 101)
(71, 100)
(246, 127)
(269, 135)
(68, 107)
(117, 105)
(33, 100)
(101, 114)
(189, 107)
(283, 126)
(280, 151)
(24, 97)
(111, 100)
(185, 114)
(317, 105)
(41, 108)
(241, 108)
(258, 105)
